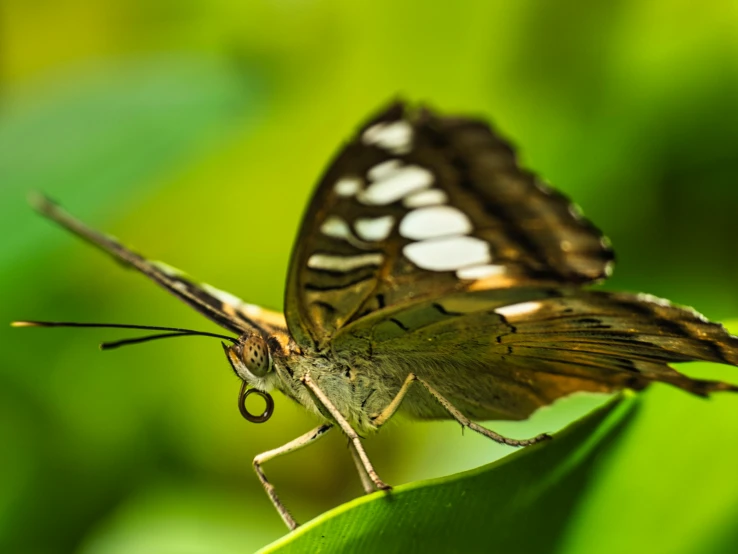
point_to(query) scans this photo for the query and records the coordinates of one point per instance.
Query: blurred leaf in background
(195, 131)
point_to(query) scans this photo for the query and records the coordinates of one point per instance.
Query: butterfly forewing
(223, 308)
(419, 207)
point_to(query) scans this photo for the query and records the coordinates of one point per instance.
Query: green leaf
(520, 503)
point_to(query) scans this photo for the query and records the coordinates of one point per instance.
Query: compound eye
(256, 356)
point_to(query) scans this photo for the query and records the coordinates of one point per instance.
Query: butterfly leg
(365, 481)
(390, 410)
(299, 442)
(321, 397)
(466, 422)
(392, 407)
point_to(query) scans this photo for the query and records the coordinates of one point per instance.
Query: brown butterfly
(433, 274)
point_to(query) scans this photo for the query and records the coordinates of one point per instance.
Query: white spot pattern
(434, 222)
(430, 220)
(394, 136)
(168, 269)
(374, 229)
(515, 310)
(609, 267)
(448, 254)
(645, 297)
(347, 186)
(481, 271)
(344, 264)
(251, 310)
(223, 296)
(395, 183)
(442, 231)
(383, 170)
(339, 228)
(576, 211)
(423, 198)
(335, 227)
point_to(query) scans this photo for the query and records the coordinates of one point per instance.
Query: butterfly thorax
(351, 391)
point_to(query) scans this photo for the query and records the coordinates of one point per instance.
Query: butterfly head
(250, 358)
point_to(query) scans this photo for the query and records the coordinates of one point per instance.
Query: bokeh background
(195, 130)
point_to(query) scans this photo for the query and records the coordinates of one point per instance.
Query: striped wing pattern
(419, 206)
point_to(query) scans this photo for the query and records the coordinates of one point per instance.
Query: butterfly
(432, 274)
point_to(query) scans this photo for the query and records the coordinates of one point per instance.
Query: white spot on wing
(223, 296)
(344, 264)
(433, 222)
(383, 170)
(252, 310)
(395, 184)
(430, 197)
(543, 187)
(609, 267)
(448, 254)
(168, 269)
(576, 211)
(347, 186)
(338, 228)
(514, 310)
(481, 271)
(335, 227)
(644, 297)
(374, 229)
(395, 136)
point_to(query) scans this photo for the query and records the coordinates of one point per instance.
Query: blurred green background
(195, 131)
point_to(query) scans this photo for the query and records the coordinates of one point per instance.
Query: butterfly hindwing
(499, 360)
(420, 206)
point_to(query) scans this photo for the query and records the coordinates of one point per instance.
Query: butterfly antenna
(171, 331)
(138, 340)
